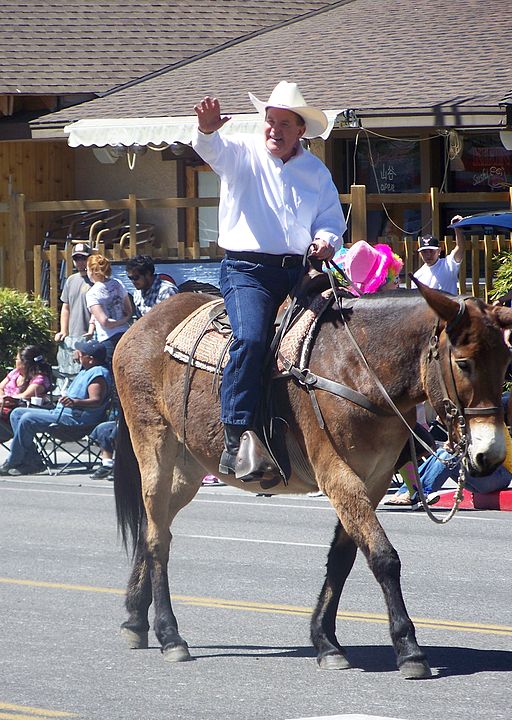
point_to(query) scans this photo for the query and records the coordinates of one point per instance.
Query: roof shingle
(90, 47)
(428, 54)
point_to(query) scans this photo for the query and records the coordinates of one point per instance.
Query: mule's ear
(443, 305)
(503, 315)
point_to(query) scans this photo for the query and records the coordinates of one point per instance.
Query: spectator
(149, 288)
(437, 272)
(85, 404)
(433, 474)
(31, 377)
(276, 201)
(105, 435)
(108, 302)
(74, 315)
(75, 319)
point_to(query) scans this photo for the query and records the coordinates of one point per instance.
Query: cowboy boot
(232, 435)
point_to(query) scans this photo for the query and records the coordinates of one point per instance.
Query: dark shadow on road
(445, 661)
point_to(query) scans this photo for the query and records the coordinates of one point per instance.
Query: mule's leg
(138, 597)
(162, 507)
(357, 515)
(342, 553)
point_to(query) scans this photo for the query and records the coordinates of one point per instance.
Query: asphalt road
(245, 574)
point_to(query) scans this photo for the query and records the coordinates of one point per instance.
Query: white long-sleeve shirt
(269, 206)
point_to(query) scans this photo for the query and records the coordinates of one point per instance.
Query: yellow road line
(31, 712)
(280, 609)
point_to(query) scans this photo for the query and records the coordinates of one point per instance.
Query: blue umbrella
(492, 221)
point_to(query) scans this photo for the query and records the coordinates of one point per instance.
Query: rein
(454, 411)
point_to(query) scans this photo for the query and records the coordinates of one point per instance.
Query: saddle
(202, 340)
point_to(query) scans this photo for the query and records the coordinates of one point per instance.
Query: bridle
(455, 412)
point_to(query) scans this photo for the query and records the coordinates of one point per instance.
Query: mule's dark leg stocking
(174, 648)
(342, 553)
(138, 598)
(358, 517)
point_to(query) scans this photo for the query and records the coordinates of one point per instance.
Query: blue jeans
(252, 295)
(105, 435)
(26, 422)
(433, 475)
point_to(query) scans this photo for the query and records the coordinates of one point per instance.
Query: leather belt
(284, 261)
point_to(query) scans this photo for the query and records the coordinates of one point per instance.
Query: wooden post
(409, 259)
(17, 241)
(434, 207)
(68, 259)
(358, 217)
(488, 250)
(462, 274)
(475, 266)
(54, 278)
(38, 257)
(132, 214)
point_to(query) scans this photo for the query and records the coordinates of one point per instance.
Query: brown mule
(401, 334)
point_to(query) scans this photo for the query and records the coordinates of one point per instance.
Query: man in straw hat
(276, 200)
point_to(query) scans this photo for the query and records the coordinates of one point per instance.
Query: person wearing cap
(437, 272)
(85, 403)
(75, 319)
(276, 201)
(74, 316)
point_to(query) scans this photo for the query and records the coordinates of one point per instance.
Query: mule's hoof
(176, 653)
(135, 640)
(416, 670)
(333, 662)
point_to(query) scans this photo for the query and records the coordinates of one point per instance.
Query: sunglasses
(134, 277)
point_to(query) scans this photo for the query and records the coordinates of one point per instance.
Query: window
(202, 222)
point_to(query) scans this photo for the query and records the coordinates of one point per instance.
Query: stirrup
(254, 463)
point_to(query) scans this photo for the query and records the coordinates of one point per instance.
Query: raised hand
(208, 115)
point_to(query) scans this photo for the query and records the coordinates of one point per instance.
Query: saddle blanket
(203, 338)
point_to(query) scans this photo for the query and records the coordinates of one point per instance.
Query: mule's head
(466, 379)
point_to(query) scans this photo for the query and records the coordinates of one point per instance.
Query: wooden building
(420, 114)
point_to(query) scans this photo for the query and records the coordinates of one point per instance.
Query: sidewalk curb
(498, 500)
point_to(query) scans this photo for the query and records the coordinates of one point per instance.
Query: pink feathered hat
(369, 267)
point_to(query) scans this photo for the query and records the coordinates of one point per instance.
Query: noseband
(454, 410)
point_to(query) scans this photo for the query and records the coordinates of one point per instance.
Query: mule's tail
(127, 487)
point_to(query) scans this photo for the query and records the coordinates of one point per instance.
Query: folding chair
(5, 433)
(70, 442)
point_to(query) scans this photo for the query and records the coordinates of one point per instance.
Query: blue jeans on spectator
(26, 422)
(433, 474)
(252, 295)
(105, 435)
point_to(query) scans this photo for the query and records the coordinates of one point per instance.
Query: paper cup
(36, 401)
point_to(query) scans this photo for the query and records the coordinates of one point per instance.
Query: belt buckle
(287, 261)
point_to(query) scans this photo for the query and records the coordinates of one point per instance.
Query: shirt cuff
(331, 238)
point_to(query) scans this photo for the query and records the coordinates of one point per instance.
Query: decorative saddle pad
(203, 338)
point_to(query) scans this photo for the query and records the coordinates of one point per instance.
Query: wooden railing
(478, 255)
(15, 257)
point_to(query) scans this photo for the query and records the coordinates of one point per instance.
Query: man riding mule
(276, 200)
(418, 345)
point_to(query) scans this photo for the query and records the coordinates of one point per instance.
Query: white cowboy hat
(287, 96)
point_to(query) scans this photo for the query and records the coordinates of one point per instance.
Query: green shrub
(23, 321)
(502, 280)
